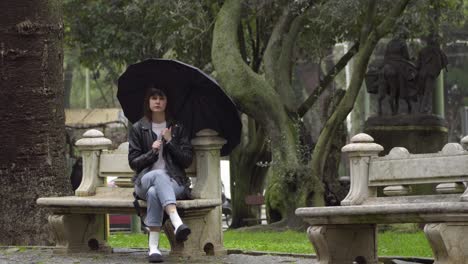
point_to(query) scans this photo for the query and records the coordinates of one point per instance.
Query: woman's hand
(167, 134)
(157, 145)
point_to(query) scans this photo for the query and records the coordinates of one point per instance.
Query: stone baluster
(464, 143)
(361, 149)
(91, 146)
(451, 149)
(398, 190)
(360, 239)
(207, 146)
(207, 232)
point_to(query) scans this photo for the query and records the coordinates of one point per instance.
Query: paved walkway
(133, 256)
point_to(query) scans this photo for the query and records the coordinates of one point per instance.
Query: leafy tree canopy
(113, 34)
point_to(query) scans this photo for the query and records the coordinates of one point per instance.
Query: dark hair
(152, 91)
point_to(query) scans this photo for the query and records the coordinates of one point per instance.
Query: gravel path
(124, 256)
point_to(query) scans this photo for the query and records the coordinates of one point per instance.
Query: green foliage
(258, 19)
(457, 75)
(335, 21)
(390, 243)
(328, 23)
(116, 33)
(424, 17)
(106, 36)
(109, 35)
(101, 92)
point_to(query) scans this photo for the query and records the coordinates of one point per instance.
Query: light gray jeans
(159, 190)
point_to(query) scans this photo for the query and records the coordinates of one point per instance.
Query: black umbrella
(194, 98)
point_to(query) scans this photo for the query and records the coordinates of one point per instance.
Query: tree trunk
(334, 190)
(32, 131)
(370, 35)
(247, 177)
(256, 97)
(290, 188)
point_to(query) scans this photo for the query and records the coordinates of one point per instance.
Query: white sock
(175, 219)
(154, 243)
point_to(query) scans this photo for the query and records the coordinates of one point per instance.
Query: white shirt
(157, 129)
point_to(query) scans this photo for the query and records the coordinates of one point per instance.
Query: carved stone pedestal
(343, 244)
(79, 221)
(418, 133)
(449, 242)
(206, 237)
(79, 233)
(408, 131)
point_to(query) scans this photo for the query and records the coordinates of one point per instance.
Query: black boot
(182, 233)
(155, 258)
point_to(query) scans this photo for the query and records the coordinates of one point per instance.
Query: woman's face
(157, 103)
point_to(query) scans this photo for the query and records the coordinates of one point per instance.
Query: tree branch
(346, 104)
(390, 20)
(241, 37)
(273, 49)
(236, 76)
(252, 42)
(324, 82)
(278, 55)
(257, 57)
(369, 19)
(283, 83)
(103, 95)
(252, 94)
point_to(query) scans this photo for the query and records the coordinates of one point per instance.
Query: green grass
(123, 240)
(404, 244)
(288, 241)
(390, 243)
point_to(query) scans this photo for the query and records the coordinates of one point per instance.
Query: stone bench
(347, 233)
(79, 222)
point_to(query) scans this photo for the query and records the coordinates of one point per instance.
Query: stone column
(84, 232)
(438, 106)
(344, 244)
(91, 146)
(78, 233)
(360, 151)
(207, 146)
(449, 242)
(207, 233)
(340, 244)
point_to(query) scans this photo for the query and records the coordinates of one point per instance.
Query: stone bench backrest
(99, 163)
(400, 167)
(115, 164)
(398, 170)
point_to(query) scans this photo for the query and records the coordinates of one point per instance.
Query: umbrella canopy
(194, 98)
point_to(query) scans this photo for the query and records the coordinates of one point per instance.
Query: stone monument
(418, 129)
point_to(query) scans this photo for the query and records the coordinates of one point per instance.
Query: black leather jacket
(177, 154)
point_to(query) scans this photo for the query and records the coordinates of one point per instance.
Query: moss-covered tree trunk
(269, 99)
(32, 129)
(370, 35)
(247, 177)
(258, 98)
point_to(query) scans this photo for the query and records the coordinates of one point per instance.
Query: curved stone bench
(109, 200)
(347, 233)
(79, 222)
